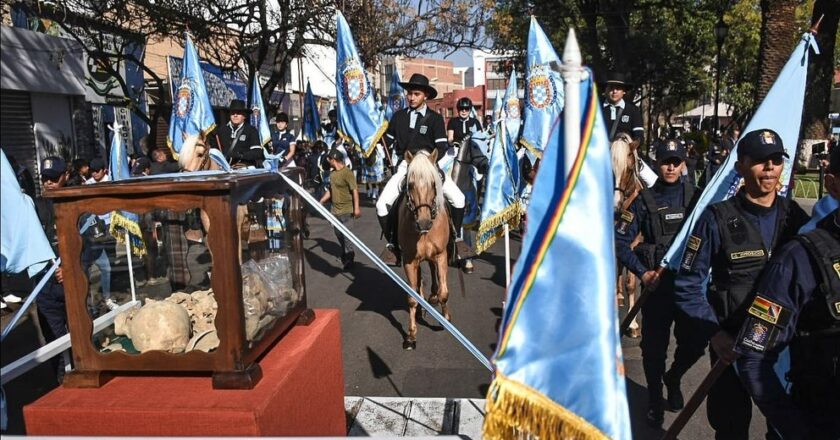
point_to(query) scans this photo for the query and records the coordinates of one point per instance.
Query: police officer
(658, 213)
(734, 239)
(240, 142)
(620, 116)
(283, 140)
(417, 129)
(798, 306)
(52, 309)
(464, 124)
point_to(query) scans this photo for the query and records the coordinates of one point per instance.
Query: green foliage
(667, 47)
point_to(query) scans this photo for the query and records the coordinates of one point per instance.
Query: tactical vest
(665, 222)
(824, 249)
(815, 351)
(735, 275)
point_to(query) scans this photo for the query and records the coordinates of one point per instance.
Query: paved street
(374, 316)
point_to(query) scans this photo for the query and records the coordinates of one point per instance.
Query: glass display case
(193, 272)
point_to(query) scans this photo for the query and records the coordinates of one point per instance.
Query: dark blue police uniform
(733, 240)
(798, 305)
(658, 214)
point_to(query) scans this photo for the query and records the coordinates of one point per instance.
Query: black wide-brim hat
(618, 79)
(238, 106)
(420, 82)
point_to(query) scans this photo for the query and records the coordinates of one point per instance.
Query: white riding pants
(392, 190)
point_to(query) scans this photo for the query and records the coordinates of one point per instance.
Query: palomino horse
(627, 187)
(423, 233)
(195, 156)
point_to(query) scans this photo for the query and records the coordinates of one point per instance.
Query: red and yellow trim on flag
(514, 409)
(556, 217)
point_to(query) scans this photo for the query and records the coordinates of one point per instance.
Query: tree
(778, 30)
(821, 71)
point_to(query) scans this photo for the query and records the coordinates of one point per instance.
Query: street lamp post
(721, 31)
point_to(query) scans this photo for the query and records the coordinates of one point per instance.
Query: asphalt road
(374, 316)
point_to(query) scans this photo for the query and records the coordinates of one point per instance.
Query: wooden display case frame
(233, 364)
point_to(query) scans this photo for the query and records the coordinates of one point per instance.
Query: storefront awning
(39, 63)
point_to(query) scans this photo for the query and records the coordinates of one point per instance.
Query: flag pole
(507, 256)
(130, 265)
(572, 76)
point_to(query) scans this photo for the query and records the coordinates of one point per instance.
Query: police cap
(669, 149)
(53, 167)
(760, 144)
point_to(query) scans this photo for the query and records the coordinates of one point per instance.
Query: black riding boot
(389, 255)
(463, 250)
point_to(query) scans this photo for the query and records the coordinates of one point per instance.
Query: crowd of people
(747, 311)
(757, 277)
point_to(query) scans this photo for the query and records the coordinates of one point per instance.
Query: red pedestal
(301, 394)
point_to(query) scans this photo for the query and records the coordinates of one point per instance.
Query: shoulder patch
(694, 242)
(626, 218)
(765, 310)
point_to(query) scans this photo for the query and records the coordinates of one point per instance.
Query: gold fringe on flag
(376, 137)
(531, 148)
(491, 229)
(517, 411)
(120, 224)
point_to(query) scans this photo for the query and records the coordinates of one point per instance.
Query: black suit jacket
(429, 133)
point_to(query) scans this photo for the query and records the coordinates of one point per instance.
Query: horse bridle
(414, 208)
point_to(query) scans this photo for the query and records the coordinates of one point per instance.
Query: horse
(627, 186)
(423, 235)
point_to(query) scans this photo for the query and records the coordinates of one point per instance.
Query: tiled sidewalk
(413, 417)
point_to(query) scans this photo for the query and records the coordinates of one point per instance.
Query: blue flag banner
(559, 367)
(501, 196)
(511, 114)
(311, 117)
(23, 244)
(543, 91)
(192, 115)
(359, 119)
(396, 96)
(124, 221)
(788, 93)
(259, 118)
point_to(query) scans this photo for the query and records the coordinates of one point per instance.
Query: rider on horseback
(417, 129)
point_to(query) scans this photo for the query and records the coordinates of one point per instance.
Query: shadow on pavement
(638, 401)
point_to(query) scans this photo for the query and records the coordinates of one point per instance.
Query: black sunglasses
(50, 179)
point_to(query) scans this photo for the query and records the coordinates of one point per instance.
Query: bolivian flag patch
(766, 310)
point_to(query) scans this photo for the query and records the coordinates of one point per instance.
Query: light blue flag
(192, 115)
(359, 121)
(543, 91)
(497, 107)
(822, 208)
(311, 117)
(511, 115)
(259, 118)
(396, 96)
(501, 196)
(23, 245)
(559, 367)
(787, 93)
(124, 221)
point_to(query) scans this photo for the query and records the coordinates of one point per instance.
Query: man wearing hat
(52, 311)
(420, 130)
(283, 140)
(733, 240)
(659, 213)
(621, 116)
(802, 283)
(239, 141)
